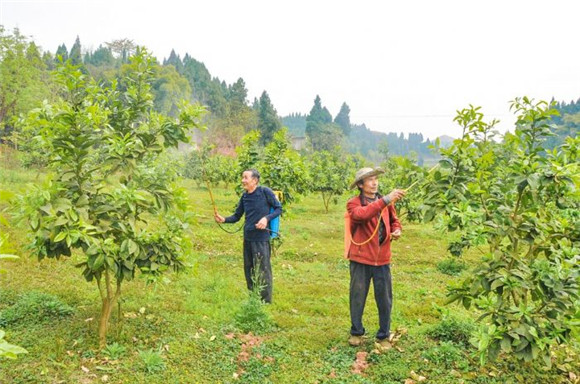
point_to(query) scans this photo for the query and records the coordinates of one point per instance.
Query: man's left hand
(262, 223)
(396, 234)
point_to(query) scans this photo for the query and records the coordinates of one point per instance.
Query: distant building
(298, 143)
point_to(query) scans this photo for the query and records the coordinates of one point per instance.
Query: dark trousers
(257, 254)
(360, 281)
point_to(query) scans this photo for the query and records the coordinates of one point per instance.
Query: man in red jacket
(374, 224)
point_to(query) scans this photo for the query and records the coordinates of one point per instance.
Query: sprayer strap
(374, 232)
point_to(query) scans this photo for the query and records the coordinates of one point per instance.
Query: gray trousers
(257, 255)
(360, 281)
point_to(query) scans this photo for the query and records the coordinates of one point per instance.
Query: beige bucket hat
(363, 173)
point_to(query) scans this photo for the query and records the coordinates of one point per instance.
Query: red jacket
(363, 222)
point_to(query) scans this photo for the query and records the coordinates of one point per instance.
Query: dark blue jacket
(256, 205)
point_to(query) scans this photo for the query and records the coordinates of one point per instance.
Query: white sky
(401, 66)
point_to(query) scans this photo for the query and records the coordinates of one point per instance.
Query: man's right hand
(219, 218)
(396, 194)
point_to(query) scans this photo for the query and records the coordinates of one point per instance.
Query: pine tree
(174, 60)
(75, 55)
(343, 119)
(268, 121)
(61, 51)
(317, 124)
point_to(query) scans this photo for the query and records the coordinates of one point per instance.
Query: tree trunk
(104, 322)
(109, 300)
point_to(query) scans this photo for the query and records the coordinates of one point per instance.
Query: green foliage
(195, 165)
(23, 81)
(332, 173)
(521, 201)
(282, 168)
(452, 329)
(402, 173)
(33, 308)
(446, 354)
(268, 120)
(107, 150)
(169, 89)
(151, 361)
(226, 130)
(4, 247)
(7, 350)
(296, 124)
(371, 145)
(320, 130)
(203, 167)
(567, 123)
(225, 169)
(249, 153)
(451, 266)
(252, 315)
(114, 351)
(343, 119)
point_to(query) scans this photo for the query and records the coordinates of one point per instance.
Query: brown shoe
(355, 341)
(383, 344)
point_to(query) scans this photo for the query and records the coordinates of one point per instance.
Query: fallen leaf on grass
(417, 377)
(212, 338)
(85, 369)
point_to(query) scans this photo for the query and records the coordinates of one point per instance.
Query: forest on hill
(26, 82)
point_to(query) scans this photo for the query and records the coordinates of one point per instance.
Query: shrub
(451, 266)
(452, 329)
(252, 315)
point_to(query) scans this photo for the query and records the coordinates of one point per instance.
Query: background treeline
(25, 82)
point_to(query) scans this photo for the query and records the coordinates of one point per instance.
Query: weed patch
(445, 354)
(451, 328)
(33, 308)
(451, 266)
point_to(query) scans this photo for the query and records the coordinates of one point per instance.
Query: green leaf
(61, 236)
(506, 344)
(99, 261)
(62, 220)
(133, 247)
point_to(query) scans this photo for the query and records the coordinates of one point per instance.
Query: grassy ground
(184, 329)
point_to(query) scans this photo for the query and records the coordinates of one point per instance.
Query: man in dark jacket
(374, 224)
(255, 203)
